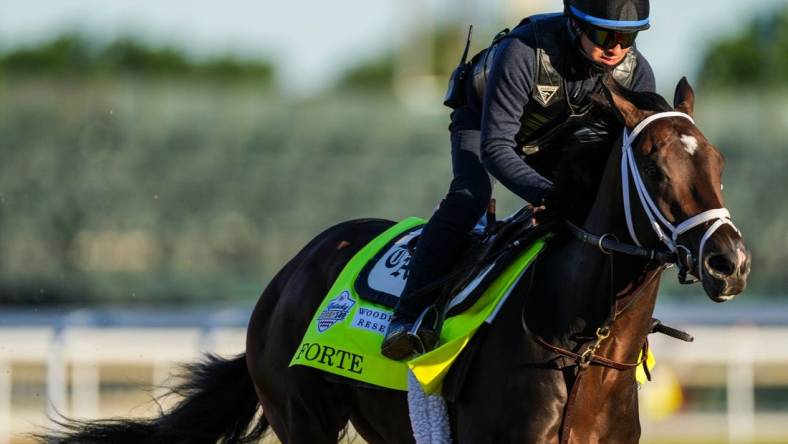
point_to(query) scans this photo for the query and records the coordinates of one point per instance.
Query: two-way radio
(455, 95)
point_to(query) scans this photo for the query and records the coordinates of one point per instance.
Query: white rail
(74, 357)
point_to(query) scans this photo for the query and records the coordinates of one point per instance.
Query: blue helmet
(616, 15)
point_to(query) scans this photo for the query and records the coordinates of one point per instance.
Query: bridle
(666, 232)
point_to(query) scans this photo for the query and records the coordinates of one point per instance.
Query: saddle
(490, 248)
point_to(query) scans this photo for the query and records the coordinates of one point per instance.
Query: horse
(555, 366)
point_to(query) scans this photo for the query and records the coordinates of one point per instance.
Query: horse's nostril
(720, 264)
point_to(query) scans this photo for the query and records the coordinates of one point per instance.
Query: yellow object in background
(662, 397)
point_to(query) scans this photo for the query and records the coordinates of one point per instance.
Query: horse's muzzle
(725, 271)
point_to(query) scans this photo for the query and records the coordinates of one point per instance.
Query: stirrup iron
(420, 347)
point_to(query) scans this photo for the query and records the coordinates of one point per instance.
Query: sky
(311, 42)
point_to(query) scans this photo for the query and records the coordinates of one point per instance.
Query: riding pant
(443, 237)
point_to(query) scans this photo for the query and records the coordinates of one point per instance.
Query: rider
(541, 73)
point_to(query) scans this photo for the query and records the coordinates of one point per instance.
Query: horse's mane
(644, 100)
(583, 149)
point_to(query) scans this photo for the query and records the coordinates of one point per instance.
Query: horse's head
(672, 183)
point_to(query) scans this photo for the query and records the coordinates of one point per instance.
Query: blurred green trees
(755, 58)
(77, 56)
(376, 75)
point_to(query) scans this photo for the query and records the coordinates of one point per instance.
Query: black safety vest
(550, 108)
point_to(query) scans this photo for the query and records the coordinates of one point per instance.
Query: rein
(607, 243)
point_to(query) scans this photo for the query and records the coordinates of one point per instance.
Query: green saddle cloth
(346, 331)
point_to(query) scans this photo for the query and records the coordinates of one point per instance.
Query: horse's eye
(651, 170)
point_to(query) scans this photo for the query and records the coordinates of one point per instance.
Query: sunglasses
(607, 39)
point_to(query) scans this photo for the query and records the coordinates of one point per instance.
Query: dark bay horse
(557, 366)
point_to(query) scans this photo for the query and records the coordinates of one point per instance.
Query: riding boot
(433, 258)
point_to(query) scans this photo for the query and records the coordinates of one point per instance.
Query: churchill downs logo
(336, 311)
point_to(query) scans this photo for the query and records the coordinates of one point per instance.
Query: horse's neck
(586, 286)
(630, 273)
(608, 403)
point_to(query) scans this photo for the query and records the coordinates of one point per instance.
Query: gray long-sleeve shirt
(508, 91)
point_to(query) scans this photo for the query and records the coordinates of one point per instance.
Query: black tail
(219, 404)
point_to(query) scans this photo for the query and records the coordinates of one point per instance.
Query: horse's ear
(629, 114)
(684, 99)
